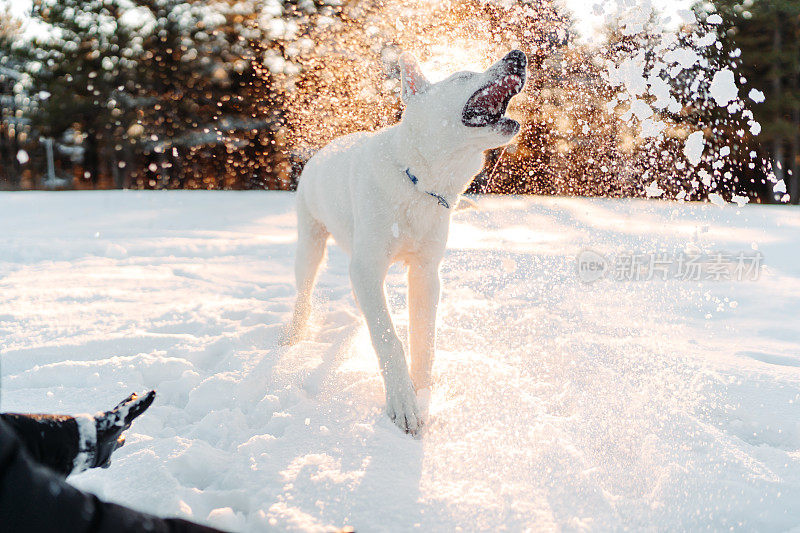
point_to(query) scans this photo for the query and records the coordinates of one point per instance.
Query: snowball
(755, 127)
(652, 128)
(22, 157)
(653, 190)
(681, 195)
(674, 106)
(714, 19)
(685, 57)
(706, 40)
(741, 201)
(660, 89)
(693, 149)
(641, 109)
(756, 96)
(716, 199)
(705, 177)
(629, 73)
(725, 151)
(723, 87)
(780, 186)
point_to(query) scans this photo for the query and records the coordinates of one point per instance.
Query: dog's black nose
(517, 59)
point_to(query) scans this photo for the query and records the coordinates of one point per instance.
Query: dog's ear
(413, 80)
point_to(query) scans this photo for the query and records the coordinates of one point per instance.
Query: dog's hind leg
(311, 240)
(423, 298)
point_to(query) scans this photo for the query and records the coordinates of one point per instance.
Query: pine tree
(211, 116)
(159, 93)
(12, 97)
(767, 33)
(81, 65)
(179, 81)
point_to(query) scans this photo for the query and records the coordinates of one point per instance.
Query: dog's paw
(403, 409)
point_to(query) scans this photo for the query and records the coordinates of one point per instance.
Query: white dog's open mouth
(488, 104)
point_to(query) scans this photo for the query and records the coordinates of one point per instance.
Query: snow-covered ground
(557, 404)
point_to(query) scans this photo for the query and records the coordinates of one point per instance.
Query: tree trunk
(5, 155)
(117, 172)
(91, 159)
(777, 142)
(129, 159)
(794, 151)
(16, 169)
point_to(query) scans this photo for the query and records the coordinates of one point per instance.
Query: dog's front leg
(423, 298)
(367, 276)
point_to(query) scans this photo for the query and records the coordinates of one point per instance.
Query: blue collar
(441, 199)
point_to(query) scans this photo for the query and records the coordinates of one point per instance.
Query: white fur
(87, 443)
(356, 190)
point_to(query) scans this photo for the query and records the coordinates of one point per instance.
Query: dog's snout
(516, 59)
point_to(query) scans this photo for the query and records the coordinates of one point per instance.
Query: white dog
(387, 196)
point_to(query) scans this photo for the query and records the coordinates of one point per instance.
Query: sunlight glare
(445, 58)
